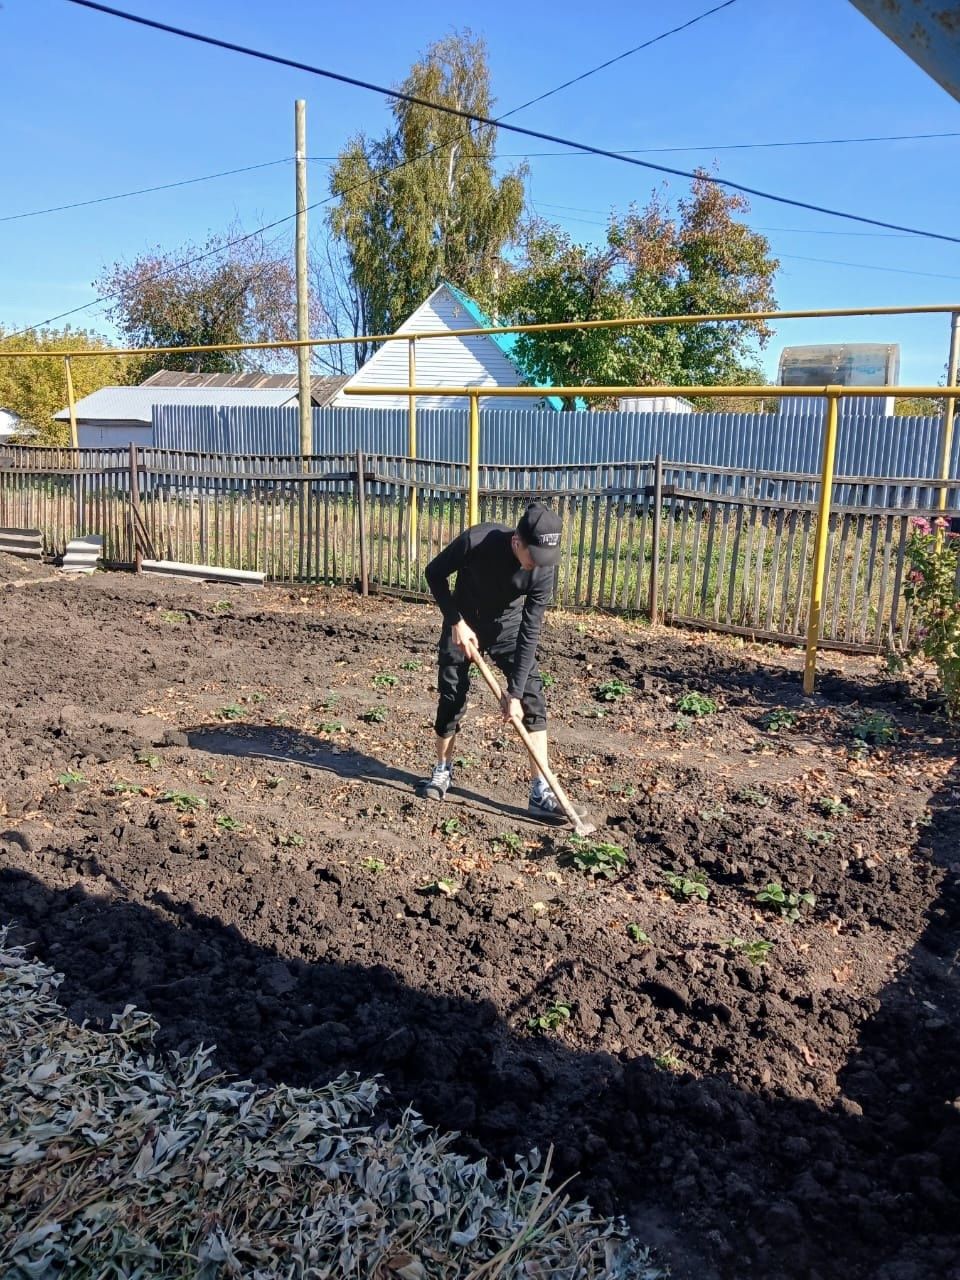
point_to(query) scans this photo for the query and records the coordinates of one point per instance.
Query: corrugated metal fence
(868, 445)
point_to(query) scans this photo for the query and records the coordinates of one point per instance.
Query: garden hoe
(581, 827)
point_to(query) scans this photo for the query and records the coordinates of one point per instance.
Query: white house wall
(453, 362)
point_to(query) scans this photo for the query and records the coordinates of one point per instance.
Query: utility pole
(303, 296)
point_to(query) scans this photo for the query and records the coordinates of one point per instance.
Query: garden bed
(200, 816)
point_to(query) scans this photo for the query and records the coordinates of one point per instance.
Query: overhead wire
(319, 203)
(487, 121)
(742, 146)
(797, 257)
(627, 53)
(225, 173)
(142, 191)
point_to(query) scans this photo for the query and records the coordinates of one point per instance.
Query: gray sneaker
(436, 786)
(545, 806)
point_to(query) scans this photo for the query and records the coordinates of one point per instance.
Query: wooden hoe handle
(582, 828)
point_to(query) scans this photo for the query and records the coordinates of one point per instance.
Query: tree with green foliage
(36, 389)
(700, 259)
(917, 407)
(423, 203)
(242, 292)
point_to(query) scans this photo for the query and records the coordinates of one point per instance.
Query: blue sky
(94, 106)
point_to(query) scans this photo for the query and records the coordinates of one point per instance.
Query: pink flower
(916, 576)
(919, 523)
(940, 523)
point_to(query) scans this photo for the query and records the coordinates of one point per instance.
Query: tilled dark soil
(797, 1118)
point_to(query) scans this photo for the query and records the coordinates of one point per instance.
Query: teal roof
(507, 342)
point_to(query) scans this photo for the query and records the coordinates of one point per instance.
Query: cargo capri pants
(453, 684)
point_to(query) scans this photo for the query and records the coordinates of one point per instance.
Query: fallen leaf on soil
(842, 974)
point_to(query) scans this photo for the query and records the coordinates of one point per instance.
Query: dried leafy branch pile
(115, 1165)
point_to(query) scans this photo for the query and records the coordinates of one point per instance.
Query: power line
(797, 257)
(487, 121)
(177, 266)
(869, 266)
(317, 204)
(740, 146)
(811, 231)
(143, 191)
(226, 173)
(620, 57)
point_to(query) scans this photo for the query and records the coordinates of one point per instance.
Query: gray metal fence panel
(867, 445)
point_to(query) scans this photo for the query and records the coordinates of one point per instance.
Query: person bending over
(505, 580)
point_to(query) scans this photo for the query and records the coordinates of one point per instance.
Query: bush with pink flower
(932, 590)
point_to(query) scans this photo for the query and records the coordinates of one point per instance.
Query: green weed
(183, 801)
(875, 729)
(822, 838)
(376, 865)
(636, 934)
(451, 827)
(146, 758)
(625, 789)
(755, 952)
(375, 715)
(712, 815)
(554, 1016)
(667, 1061)
(684, 885)
(510, 840)
(172, 615)
(696, 704)
(384, 680)
(833, 807)
(125, 788)
(71, 778)
(291, 840)
(547, 680)
(225, 823)
(330, 726)
(411, 664)
(594, 857)
(787, 903)
(612, 690)
(750, 795)
(780, 719)
(232, 711)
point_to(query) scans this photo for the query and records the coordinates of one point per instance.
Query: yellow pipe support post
(71, 401)
(823, 529)
(949, 411)
(413, 522)
(473, 505)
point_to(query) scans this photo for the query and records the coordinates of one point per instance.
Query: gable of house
(478, 361)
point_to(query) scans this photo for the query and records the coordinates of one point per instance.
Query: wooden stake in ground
(580, 827)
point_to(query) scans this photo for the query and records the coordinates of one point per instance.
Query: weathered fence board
(726, 548)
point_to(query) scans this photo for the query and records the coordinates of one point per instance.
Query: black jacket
(494, 593)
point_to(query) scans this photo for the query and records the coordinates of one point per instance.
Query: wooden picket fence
(716, 547)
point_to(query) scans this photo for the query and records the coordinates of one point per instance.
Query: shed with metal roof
(116, 416)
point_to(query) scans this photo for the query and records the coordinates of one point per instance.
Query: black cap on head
(540, 530)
